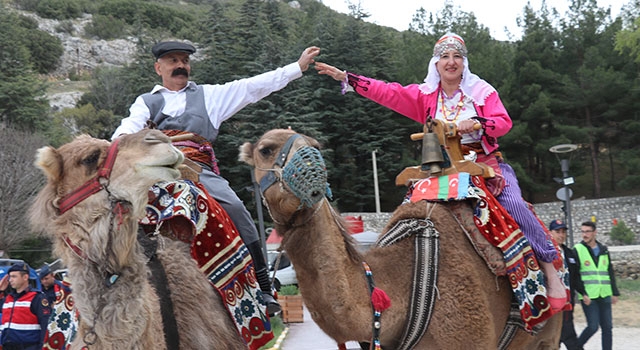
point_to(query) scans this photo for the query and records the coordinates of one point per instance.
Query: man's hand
(4, 282)
(614, 299)
(331, 71)
(586, 300)
(307, 57)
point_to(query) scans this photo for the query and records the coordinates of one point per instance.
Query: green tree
(21, 93)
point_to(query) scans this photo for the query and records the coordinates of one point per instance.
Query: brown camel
(472, 304)
(96, 238)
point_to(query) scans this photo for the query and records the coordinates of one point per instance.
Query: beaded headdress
(448, 42)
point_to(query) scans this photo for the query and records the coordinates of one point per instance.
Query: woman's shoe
(557, 304)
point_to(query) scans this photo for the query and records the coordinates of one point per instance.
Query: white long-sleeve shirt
(222, 101)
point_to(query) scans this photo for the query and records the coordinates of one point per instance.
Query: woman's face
(450, 66)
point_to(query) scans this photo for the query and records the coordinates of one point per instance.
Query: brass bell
(431, 153)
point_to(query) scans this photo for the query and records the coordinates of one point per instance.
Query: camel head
(142, 159)
(290, 170)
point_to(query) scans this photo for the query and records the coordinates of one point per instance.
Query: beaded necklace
(446, 113)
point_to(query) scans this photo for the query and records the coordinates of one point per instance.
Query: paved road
(308, 336)
(623, 338)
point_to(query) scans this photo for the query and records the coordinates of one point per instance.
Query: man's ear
(156, 66)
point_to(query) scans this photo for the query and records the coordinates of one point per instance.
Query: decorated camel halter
(94, 185)
(305, 174)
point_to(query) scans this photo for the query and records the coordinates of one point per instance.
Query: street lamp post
(565, 192)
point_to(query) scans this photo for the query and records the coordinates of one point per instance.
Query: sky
(398, 13)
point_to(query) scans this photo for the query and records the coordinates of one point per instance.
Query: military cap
(19, 267)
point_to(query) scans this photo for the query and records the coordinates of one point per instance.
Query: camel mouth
(165, 169)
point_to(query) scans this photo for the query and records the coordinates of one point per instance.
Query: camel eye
(92, 159)
(266, 152)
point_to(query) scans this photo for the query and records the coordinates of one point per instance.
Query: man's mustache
(180, 71)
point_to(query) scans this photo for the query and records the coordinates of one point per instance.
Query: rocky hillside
(82, 54)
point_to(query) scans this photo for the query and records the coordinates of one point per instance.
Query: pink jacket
(415, 104)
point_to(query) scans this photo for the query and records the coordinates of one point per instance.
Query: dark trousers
(598, 314)
(568, 336)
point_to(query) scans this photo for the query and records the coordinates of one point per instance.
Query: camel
(96, 237)
(472, 304)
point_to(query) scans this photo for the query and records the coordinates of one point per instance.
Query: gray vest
(194, 119)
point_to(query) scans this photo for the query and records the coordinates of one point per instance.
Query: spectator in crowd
(25, 312)
(598, 282)
(568, 337)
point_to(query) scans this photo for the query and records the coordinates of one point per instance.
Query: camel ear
(246, 153)
(50, 162)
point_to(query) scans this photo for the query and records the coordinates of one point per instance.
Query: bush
(59, 9)
(106, 27)
(289, 289)
(622, 234)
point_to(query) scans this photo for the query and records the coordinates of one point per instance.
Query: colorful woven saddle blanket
(63, 324)
(196, 218)
(501, 230)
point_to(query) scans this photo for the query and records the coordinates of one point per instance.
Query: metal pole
(261, 234)
(375, 181)
(564, 166)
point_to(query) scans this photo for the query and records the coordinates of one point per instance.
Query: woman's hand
(331, 71)
(468, 126)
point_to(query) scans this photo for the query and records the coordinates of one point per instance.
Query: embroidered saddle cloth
(63, 324)
(196, 218)
(501, 230)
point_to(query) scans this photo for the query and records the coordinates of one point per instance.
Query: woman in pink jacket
(452, 93)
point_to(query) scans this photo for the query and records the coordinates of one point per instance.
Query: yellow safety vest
(596, 279)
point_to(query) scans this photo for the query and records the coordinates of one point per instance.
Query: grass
(629, 288)
(277, 326)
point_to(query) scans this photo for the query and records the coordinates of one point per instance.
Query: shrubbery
(622, 234)
(106, 27)
(59, 9)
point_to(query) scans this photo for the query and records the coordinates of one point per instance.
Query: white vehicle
(286, 274)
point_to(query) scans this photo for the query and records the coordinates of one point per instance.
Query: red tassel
(380, 300)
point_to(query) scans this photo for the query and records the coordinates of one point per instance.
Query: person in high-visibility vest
(598, 279)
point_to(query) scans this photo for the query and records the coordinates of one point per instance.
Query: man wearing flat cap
(558, 230)
(25, 312)
(181, 104)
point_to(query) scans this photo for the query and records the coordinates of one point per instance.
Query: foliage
(59, 9)
(622, 233)
(562, 82)
(152, 15)
(21, 102)
(106, 27)
(19, 184)
(43, 49)
(289, 289)
(85, 119)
